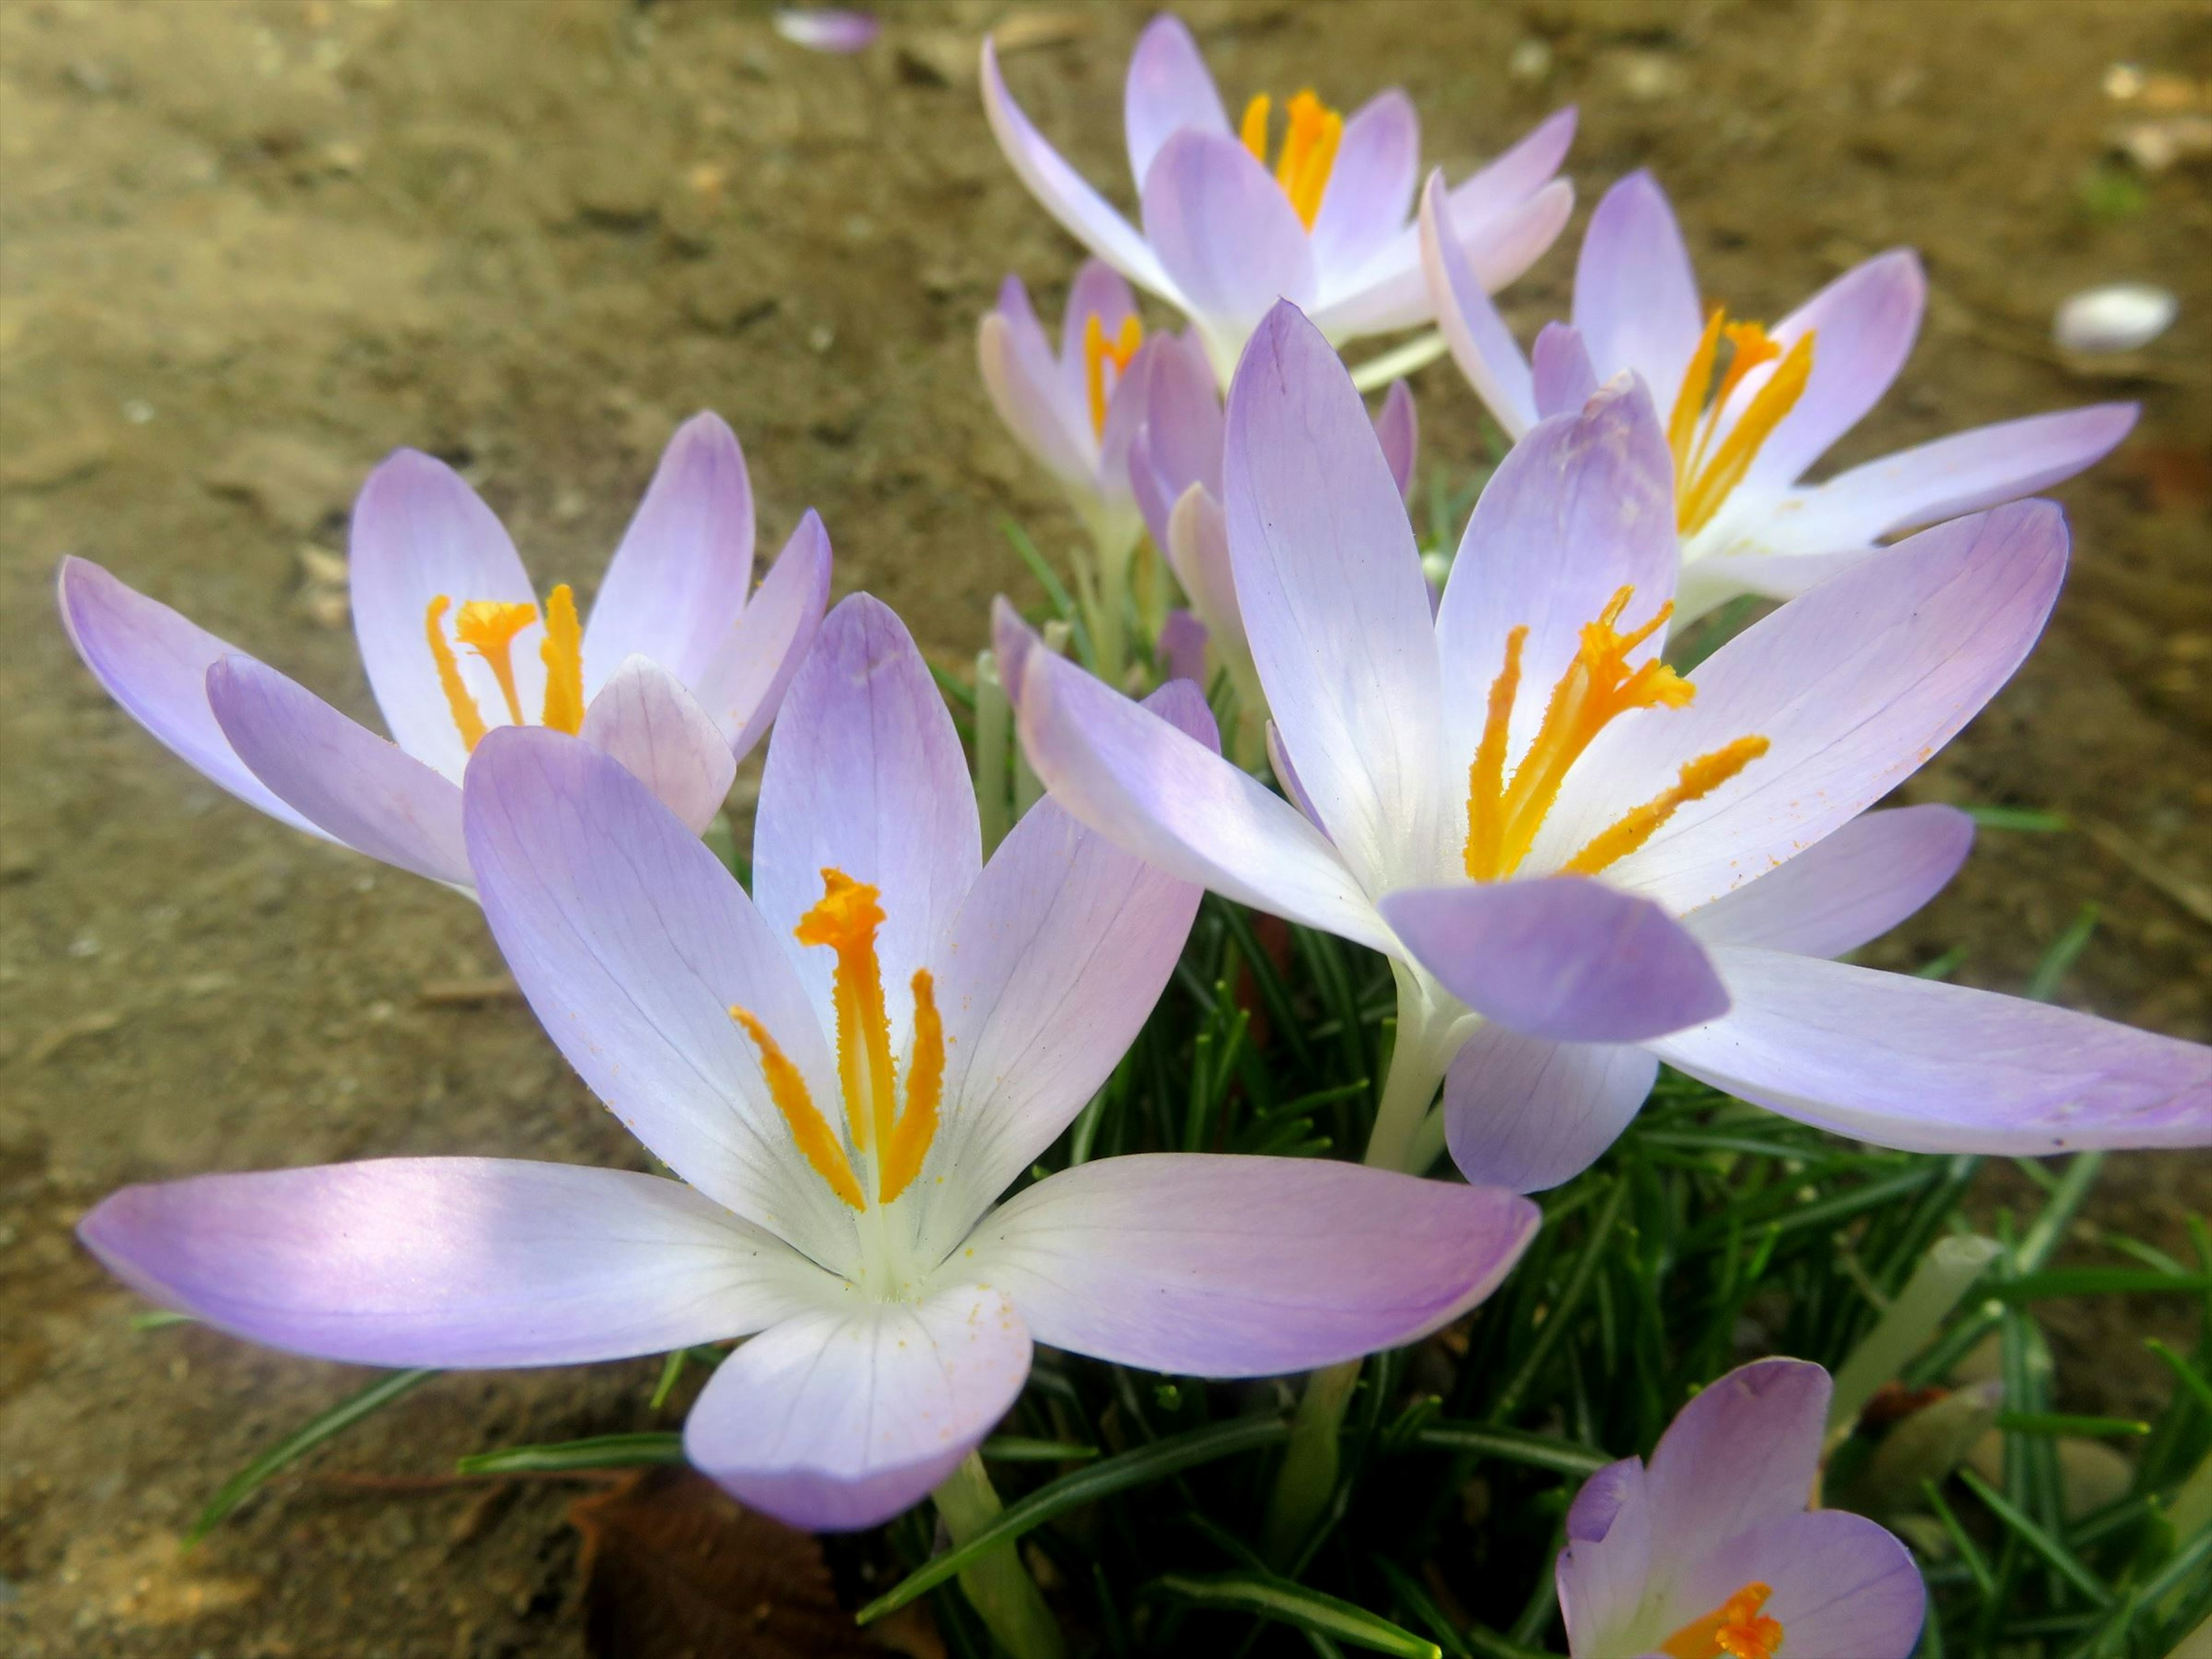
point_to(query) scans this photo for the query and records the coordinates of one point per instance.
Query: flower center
(488, 626)
(1708, 465)
(892, 1143)
(1735, 1628)
(1502, 816)
(1099, 356)
(1309, 141)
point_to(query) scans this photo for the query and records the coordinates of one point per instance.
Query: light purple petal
(1125, 405)
(646, 719)
(1336, 608)
(1855, 685)
(1847, 889)
(1962, 473)
(632, 943)
(1026, 386)
(1182, 648)
(1601, 1573)
(1480, 343)
(1184, 418)
(420, 532)
(450, 1262)
(1514, 175)
(154, 663)
(827, 28)
(1398, 429)
(864, 776)
(1579, 509)
(1371, 187)
(1843, 1588)
(1211, 1265)
(354, 785)
(743, 687)
(1197, 550)
(1526, 1113)
(1225, 233)
(1864, 324)
(1564, 378)
(1082, 211)
(1167, 89)
(1635, 297)
(685, 564)
(1564, 956)
(1742, 1454)
(1286, 775)
(839, 1420)
(1929, 1067)
(1173, 800)
(1054, 962)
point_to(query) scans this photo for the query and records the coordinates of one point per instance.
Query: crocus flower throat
(893, 1142)
(1100, 353)
(1735, 1628)
(1309, 151)
(488, 626)
(1706, 473)
(1503, 818)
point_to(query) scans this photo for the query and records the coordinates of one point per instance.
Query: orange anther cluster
(1705, 471)
(1098, 354)
(1308, 153)
(1735, 1628)
(488, 627)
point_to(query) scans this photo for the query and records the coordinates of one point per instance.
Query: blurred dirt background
(247, 246)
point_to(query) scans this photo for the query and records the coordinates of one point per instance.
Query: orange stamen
(817, 1141)
(1697, 779)
(1311, 134)
(846, 921)
(488, 626)
(1735, 1628)
(1254, 129)
(563, 654)
(466, 715)
(907, 1144)
(1703, 483)
(1597, 686)
(1098, 351)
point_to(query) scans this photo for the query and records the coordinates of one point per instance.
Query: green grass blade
(604, 1451)
(1540, 1451)
(2062, 1560)
(1014, 1448)
(1131, 1468)
(1270, 1597)
(301, 1441)
(2061, 1422)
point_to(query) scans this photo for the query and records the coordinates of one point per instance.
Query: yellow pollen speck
(1703, 480)
(1737, 1628)
(1098, 351)
(1309, 146)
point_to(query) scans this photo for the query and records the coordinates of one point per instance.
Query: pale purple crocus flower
(1175, 473)
(1749, 412)
(1712, 1549)
(827, 29)
(676, 673)
(844, 1071)
(1579, 863)
(1327, 224)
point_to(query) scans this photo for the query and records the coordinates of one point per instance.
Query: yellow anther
(1310, 137)
(1735, 1628)
(1697, 779)
(1098, 351)
(817, 1141)
(907, 1144)
(1703, 480)
(1598, 685)
(466, 715)
(488, 626)
(563, 655)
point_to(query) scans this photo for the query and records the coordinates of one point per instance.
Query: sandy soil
(252, 245)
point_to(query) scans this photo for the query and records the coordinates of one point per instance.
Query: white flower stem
(1424, 1050)
(1946, 1273)
(999, 1586)
(1399, 360)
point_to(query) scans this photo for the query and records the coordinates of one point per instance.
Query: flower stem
(1308, 1477)
(994, 733)
(1419, 1059)
(997, 1586)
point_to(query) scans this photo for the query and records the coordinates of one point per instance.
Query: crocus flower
(1745, 423)
(676, 674)
(1581, 862)
(1329, 225)
(844, 1070)
(1175, 473)
(1712, 1551)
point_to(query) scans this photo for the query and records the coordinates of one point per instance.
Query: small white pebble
(2118, 317)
